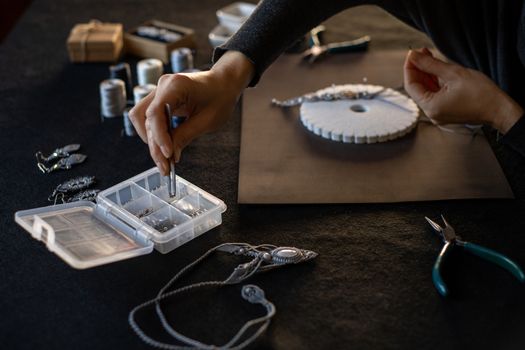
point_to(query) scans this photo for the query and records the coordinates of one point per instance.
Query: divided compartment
(128, 219)
(143, 201)
(136, 200)
(158, 186)
(166, 219)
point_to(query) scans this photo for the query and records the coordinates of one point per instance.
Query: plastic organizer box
(127, 220)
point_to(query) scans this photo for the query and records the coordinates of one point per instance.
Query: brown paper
(282, 162)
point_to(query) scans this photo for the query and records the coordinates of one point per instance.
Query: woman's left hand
(451, 94)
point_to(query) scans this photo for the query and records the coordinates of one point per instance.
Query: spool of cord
(149, 71)
(112, 98)
(122, 71)
(181, 60)
(129, 129)
(141, 91)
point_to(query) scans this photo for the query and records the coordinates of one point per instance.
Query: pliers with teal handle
(451, 239)
(317, 49)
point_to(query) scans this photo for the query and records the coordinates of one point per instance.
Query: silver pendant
(64, 163)
(58, 153)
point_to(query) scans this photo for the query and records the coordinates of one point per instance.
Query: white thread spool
(141, 91)
(149, 71)
(181, 60)
(112, 98)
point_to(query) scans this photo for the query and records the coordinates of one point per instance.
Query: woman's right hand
(207, 99)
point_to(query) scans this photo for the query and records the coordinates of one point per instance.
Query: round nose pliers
(448, 234)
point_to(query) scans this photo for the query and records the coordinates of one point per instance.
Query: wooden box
(150, 48)
(95, 42)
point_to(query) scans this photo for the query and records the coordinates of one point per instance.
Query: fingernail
(165, 151)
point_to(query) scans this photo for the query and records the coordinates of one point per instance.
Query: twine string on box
(91, 26)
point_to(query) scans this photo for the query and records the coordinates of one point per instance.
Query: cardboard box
(95, 42)
(150, 48)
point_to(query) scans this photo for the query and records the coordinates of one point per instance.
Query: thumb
(429, 64)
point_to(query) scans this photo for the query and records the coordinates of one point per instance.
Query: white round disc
(386, 117)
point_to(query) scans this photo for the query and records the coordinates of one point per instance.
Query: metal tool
(317, 49)
(64, 163)
(58, 153)
(448, 234)
(172, 183)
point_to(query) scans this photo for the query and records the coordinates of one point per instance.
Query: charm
(88, 195)
(72, 185)
(265, 257)
(68, 191)
(58, 153)
(64, 163)
(144, 212)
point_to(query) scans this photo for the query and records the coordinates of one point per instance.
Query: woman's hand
(207, 99)
(449, 93)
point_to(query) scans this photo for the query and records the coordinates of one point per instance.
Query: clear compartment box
(127, 220)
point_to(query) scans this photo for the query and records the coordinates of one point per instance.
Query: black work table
(370, 287)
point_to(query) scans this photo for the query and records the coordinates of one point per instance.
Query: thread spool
(112, 98)
(141, 91)
(149, 71)
(129, 129)
(181, 60)
(122, 71)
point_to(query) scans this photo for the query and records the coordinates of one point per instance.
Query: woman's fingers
(137, 115)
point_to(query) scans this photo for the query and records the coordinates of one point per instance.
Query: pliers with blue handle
(451, 239)
(317, 49)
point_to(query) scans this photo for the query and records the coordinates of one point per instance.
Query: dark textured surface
(370, 288)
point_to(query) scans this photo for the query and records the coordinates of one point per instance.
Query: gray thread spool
(129, 129)
(141, 91)
(181, 60)
(149, 71)
(122, 71)
(112, 98)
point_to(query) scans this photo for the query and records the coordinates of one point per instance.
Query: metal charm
(58, 153)
(68, 191)
(88, 195)
(265, 257)
(73, 185)
(64, 163)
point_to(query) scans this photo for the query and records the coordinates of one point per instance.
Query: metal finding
(264, 257)
(87, 195)
(71, 186)
(57, 153)
(64, 163)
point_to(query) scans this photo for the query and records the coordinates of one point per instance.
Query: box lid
(95, 35)
(83, 234)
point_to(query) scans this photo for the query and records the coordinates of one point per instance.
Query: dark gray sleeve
(277, 24)
(515, 137)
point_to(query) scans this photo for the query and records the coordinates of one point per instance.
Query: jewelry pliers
(451, 239)
(317, 49)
